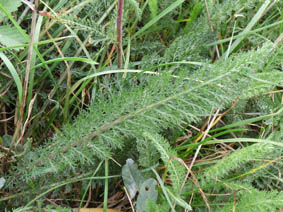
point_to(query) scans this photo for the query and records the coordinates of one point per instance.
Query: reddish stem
(119, 32)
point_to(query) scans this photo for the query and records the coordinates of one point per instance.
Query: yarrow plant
(186, 114)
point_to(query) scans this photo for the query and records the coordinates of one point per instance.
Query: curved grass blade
(14, 74)
(247, 140)
(164, 190)
(35, 43)
(154, 20)
(248, 28)
(75, 59)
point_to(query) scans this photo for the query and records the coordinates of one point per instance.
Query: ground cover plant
(141, 105)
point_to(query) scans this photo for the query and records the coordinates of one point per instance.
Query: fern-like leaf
(168, 156)
(135, 5)
(252, 200)
(235, 160)
(156, 104)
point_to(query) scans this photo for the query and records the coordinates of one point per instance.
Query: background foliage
(197, 105)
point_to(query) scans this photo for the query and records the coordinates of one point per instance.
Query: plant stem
(106, 186)
(119, 32)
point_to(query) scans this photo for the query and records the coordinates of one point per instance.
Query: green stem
(106, 186)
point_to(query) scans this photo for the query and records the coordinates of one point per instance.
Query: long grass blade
(14, 74)
(164, 190)
(157, 18)
(248, 28)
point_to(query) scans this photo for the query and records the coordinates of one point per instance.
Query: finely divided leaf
(176, 170)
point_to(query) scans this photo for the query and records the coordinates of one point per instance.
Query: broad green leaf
(132, 177)
(2, 182)
(147, 192)
(10, 36)
(10, 6)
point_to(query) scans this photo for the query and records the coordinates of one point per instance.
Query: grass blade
(248, 28)
(14, 74)
(154, 20)
(163, 189)
(75, 59)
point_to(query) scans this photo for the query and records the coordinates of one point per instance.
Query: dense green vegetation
(141, 105)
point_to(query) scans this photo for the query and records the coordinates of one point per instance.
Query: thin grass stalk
(211, 26)
(29, 59)
(248, 28)
(19, 123)
(243, 34)
(106, 185)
